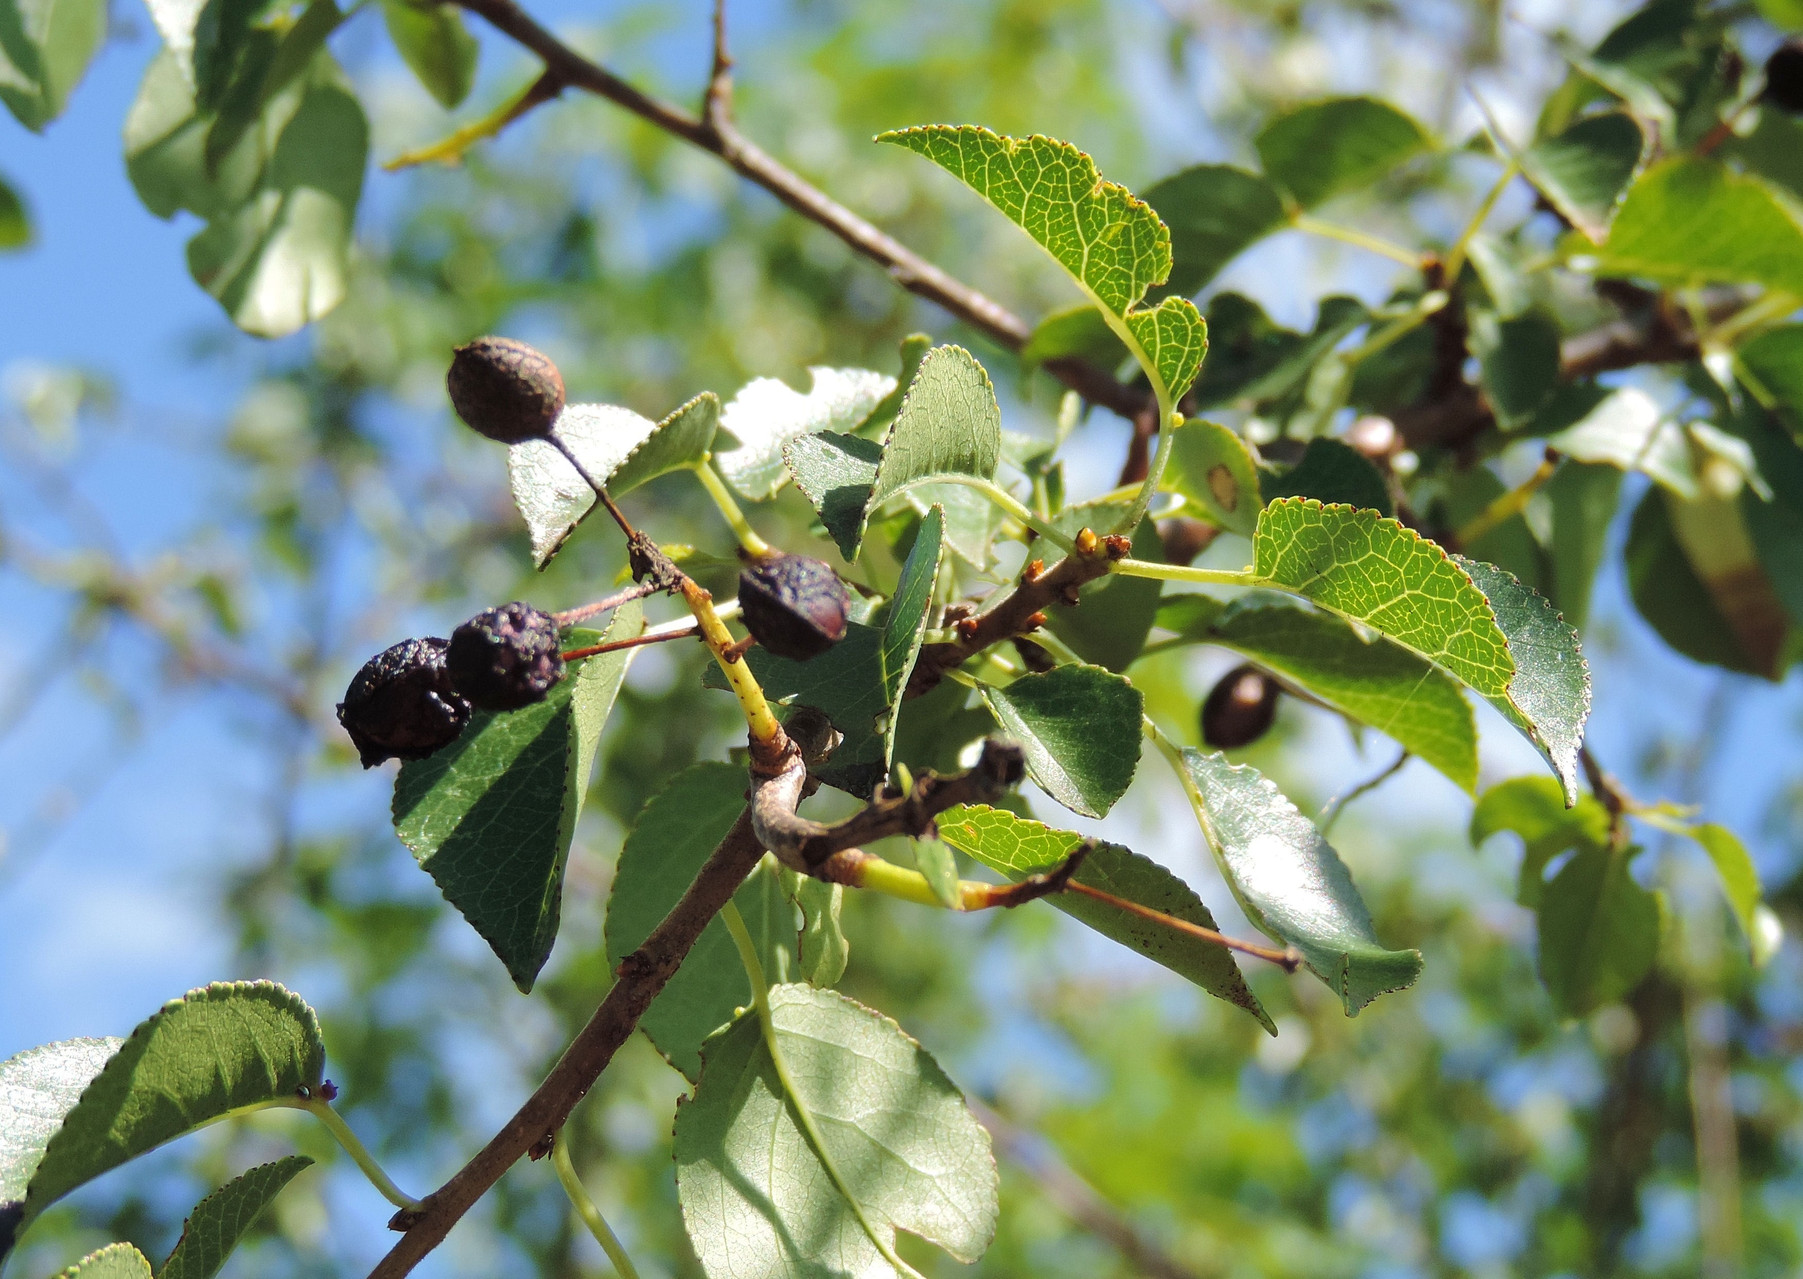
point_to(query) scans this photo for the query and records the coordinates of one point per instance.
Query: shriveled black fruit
(401, 705)
(505, 389)
(1784, 77)
(505, 658)
(1240, 708)
(792, 605)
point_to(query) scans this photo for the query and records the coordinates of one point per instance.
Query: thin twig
(1331, 810)
(614, 646)
(570, 616)
(721, 138)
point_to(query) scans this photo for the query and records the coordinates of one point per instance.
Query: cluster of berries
(414, 698)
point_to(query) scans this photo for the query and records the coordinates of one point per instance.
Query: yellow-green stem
(744, 684)
(449, 150)
(1362, 239)
(1455, 257)
(1010, 505)
(1187, 573)
(1506, 505)
(760, 998)
(586, 1209)
(322, 1110)
(729, 509)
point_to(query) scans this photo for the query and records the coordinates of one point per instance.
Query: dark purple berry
(401, 705)
(794, 606)
(1784, 77)
(505, 658)
(505, 389)
(1240, 708)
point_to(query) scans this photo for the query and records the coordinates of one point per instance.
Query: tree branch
(1022, 610)
(641, 976)
(718, 136)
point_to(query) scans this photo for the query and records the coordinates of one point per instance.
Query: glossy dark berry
(794, 606)
(401, 705)
(1239, 709)
(505, 658)
(1784, 77)
(505, 389)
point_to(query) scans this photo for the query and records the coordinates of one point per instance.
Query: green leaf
(1369, 680)
(1599, 931)
(1687, 221)
(824, 948)
(1583, 499)
(939, 868)
(617, 447)
(1332, 471)
(905, 617)
(115, 1261)
(433, 41)
(756, 1199)
(766, 414)
(219, 1221)
(1773, 363)
(675, 833)
(1111, 242)
(45, 47)
(491, 816)
(1585, 170)
(1548, 697)
(38, 1088)
(948, 424)
(1175, 339)
(1080, 728)
(1290, 881)
(279, 202)
(1212, 468)
(1374, 571)
(224, 1047)
(1017, 847)
(850, 684)
(1077, 330)
(1740, 880)
(1534, 808)
(1627, 429)
(1518, 363)
(1214, 212)
(15, 224)
(1322, 149)
(1115, 613)
(835, 472)
(1670, 595)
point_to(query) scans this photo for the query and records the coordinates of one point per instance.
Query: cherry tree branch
(641, 976)
(715, 133)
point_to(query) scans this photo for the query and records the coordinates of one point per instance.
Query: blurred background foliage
(190, 588)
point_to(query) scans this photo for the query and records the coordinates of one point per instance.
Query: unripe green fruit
(505, 389)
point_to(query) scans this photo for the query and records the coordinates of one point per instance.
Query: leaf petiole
(1361, 239)
(366, 1163)
(586, 1209)
(1010, 505)
(754, 545)
(1188, 573)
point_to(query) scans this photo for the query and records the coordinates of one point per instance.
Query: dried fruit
(1784, 77)
(505, 658)
(505, 389)
(1240, 708)
(402, 705)
(794, 606)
